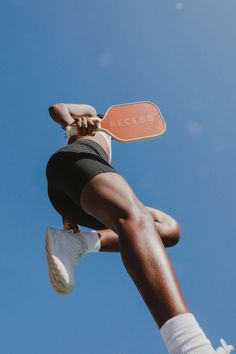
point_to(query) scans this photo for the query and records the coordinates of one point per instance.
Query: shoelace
(228, 348)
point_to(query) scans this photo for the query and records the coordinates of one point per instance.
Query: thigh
(71, 211)
(110, 199)
(96, 189)
(69, 172)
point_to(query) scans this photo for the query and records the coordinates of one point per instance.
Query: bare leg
(166, 226)
(109, 198)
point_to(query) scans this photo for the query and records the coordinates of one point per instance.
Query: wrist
(71, 131)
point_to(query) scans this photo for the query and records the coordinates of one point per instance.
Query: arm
(60, 114)
(65, 114)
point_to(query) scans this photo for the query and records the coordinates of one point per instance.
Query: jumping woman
(86, 190)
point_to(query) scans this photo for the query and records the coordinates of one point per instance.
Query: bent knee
(136, 216)
(173, 233)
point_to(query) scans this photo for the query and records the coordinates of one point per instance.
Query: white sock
(90, 241)
(182, 335)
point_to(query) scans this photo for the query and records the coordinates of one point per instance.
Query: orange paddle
(130, 121)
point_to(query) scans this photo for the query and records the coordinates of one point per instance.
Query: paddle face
(133, 121)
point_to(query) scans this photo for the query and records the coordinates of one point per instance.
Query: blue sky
(180, 55)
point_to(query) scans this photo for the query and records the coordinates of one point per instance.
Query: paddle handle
(71, 131)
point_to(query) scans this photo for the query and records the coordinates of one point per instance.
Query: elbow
(55, 110)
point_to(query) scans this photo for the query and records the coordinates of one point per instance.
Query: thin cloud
(104, 60)
(179, 6)
(194, 128)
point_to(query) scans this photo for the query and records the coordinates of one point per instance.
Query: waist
(83, 145)
(101, 138)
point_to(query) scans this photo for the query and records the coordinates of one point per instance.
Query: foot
(225, 349)
(64, 250)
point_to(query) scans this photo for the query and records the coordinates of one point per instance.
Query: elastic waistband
(90, 144)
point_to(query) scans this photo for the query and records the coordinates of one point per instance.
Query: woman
(86, 190)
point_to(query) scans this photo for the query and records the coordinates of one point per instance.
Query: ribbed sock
(182, 335)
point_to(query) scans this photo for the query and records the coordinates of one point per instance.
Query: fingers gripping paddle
(129, 122)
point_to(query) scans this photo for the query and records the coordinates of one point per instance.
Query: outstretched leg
(109, 198)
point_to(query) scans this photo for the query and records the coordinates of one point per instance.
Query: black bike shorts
(68, 170)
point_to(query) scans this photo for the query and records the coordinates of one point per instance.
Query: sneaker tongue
(71, 249)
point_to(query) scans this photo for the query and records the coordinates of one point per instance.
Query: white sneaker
(225, 349)
(64, 250)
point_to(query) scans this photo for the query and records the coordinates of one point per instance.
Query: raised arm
(65, 114)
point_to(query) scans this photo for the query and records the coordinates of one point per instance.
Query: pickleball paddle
(130, 122)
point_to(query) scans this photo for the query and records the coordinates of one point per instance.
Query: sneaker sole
(56, 278)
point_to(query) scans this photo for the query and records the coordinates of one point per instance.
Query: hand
(86, 125)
